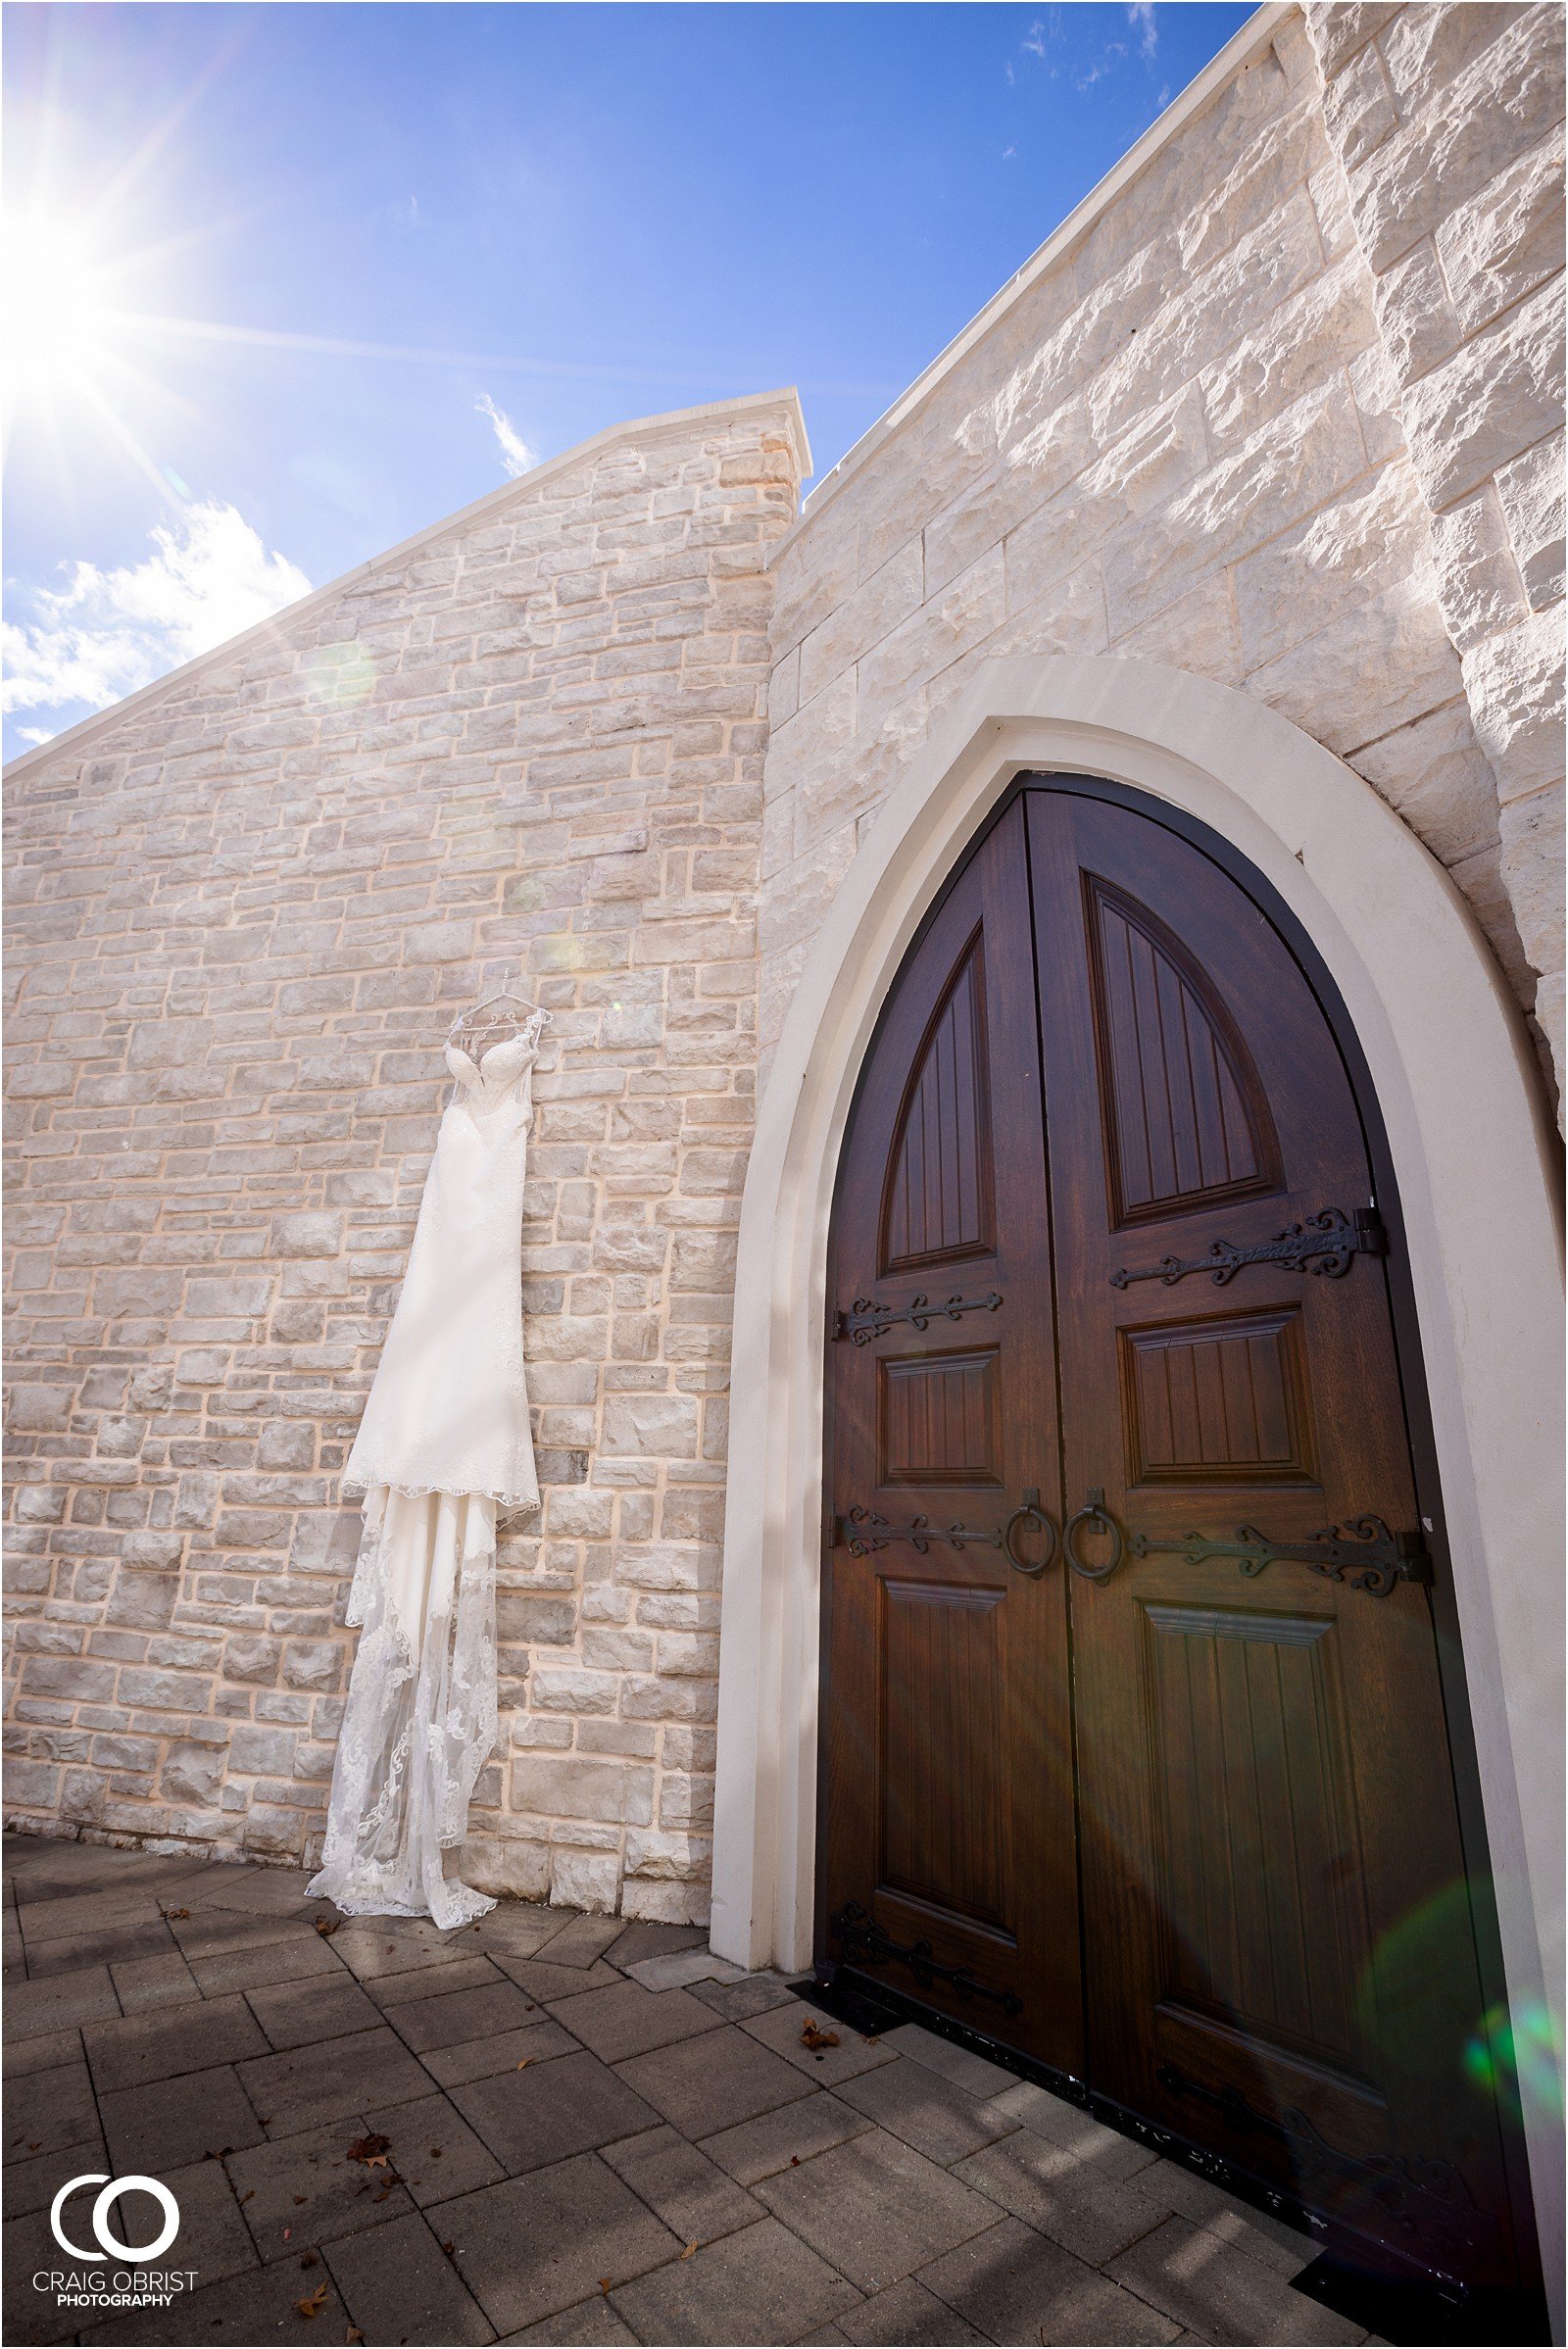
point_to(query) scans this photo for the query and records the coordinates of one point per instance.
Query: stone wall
(245, 910)
(1187, 438)
(1277, 409)
(1448, 122)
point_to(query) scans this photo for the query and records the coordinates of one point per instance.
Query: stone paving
(552, 2126)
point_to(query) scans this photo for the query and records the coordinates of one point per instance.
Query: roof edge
(1258, 29)
(277, 624)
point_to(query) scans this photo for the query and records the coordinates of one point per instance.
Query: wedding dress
(443, 1445)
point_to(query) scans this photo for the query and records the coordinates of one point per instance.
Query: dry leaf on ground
(316, 2303)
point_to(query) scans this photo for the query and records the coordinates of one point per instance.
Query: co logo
(109, 2245)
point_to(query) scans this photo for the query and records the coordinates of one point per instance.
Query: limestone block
(166, 1042)
(193, 1772)
(511, 1866)
(312, 1664)
(1197, 633)
(154, 1549)
(1292, 351)
(1380, 665)
(1377, 405)
(1357, 106)
(809, 580)
(1507, 239)
(1435, 773)
(569, 1786)
(1504, 103)
(1276, 476)
(658, 1852)
(257, 1752)
(584, 1880)
(306, 1235)
(965, 611)
(791, 913)
(1515, 688)
(1073, 348)
(1531, 493)
(1203, 316)
(39, 1409)
(574, 1692)
(252, 1657)
(1551, 1017)
(40, 1084)
(1070, 617)
(1532, 836)
(1268, 173)
(153, 1389)
(1183, 169)
(1477, 580)
(1339, 29)
(872, 612)
(1424, 48)
(1372, 537)
(142, 1601)
(274, 1834)
(1492, 399)
(1417, 321)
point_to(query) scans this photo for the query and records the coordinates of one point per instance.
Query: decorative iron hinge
(1407, 2188)
(866, 1319)
(864, 1943)
(1363, 1553)
(1321, 1244)
(866, 1530)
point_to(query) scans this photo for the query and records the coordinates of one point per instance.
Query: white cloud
(1140, 15)
(515, 454)
(105, 634)
(1109, 58)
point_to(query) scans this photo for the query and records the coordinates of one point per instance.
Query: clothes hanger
(487, 1020)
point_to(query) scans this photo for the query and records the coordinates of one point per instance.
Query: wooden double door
(1134, 1755)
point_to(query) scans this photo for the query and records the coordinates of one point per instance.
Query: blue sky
(296, 280)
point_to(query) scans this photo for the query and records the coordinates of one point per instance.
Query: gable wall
(243, 915)
(1188, 441)
(1217, 430)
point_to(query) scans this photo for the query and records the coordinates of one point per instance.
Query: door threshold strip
(1420, 2311)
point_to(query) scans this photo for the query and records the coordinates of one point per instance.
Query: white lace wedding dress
(444, 1443)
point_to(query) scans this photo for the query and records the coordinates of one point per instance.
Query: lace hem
(357, 1487)
(419, 1723)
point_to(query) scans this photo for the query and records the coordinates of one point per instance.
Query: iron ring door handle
(1031, 1511)
(1093, 1512)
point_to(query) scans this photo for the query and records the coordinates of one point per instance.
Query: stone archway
(1473, 1156)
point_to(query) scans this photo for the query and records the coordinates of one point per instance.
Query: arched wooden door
(1135, 1753)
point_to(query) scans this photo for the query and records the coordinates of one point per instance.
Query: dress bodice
(448, 1407)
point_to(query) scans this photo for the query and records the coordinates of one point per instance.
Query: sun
(54, 306)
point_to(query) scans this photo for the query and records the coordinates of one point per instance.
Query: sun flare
(55, 311)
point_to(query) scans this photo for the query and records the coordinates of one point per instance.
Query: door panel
(947, 1784)
(940, 1189)
(944, 1821)
(1186, 1119)
(1148, 1777)
(1265, 1797)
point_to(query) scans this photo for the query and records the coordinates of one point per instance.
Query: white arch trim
(1475, 1159)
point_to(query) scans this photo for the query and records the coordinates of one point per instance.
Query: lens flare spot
(340, 676)
(1515, 2057)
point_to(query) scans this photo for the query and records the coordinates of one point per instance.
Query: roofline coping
(276, 625)
(1257, 32)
